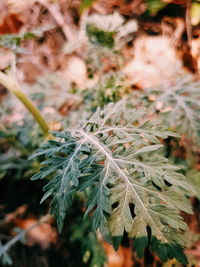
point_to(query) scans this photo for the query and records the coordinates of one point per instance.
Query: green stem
(9, 83)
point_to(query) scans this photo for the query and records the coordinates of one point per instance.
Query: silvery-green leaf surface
(129, 186)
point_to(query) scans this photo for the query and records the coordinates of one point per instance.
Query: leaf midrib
(92, 140)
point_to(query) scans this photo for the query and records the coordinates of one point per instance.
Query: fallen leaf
(120, 258)
(43, 234)
(10, 24)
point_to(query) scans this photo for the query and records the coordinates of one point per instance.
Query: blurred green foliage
(16, 144)
(86, 4)
(154, 6)
(100, 37)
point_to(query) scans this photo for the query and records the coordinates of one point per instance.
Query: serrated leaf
(180, 109)
(130, 186)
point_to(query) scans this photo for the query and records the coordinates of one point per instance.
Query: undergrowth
(117, 158)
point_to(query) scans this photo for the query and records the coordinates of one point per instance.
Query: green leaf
(177, 106)
(13, 41)
(114, 157)
(140, 244)
(86, 4)
(100, 37)
(154, 6)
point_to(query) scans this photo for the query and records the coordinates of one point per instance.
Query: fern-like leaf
(130, 186)
(179, 106)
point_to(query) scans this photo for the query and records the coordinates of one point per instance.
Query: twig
(54, 9)
(15, 239)
(188, 22)
(68, 4)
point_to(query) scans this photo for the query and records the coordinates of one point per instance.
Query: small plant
(111, 87)
(17, 142)
(179, 106)
(112, 153)
(130, 187)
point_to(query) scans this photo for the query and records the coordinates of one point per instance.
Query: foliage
(194, 177)
(86, 4)
(104, 37)
(13, 41)
(108, 158)
(178, 106)
(111, 87)
(93, 253)
(114, 157)
(110, 30)
(154, 6)
(100, 37)
(17, 142)
(6, 259)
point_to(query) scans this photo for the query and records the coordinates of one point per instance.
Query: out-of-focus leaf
(86, 4)
(13, 41)
(154, 6)
(100, 37)
(194, 176)
(195, 13)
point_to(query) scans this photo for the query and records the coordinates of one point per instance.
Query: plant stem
(15, 239)
(10, 84)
